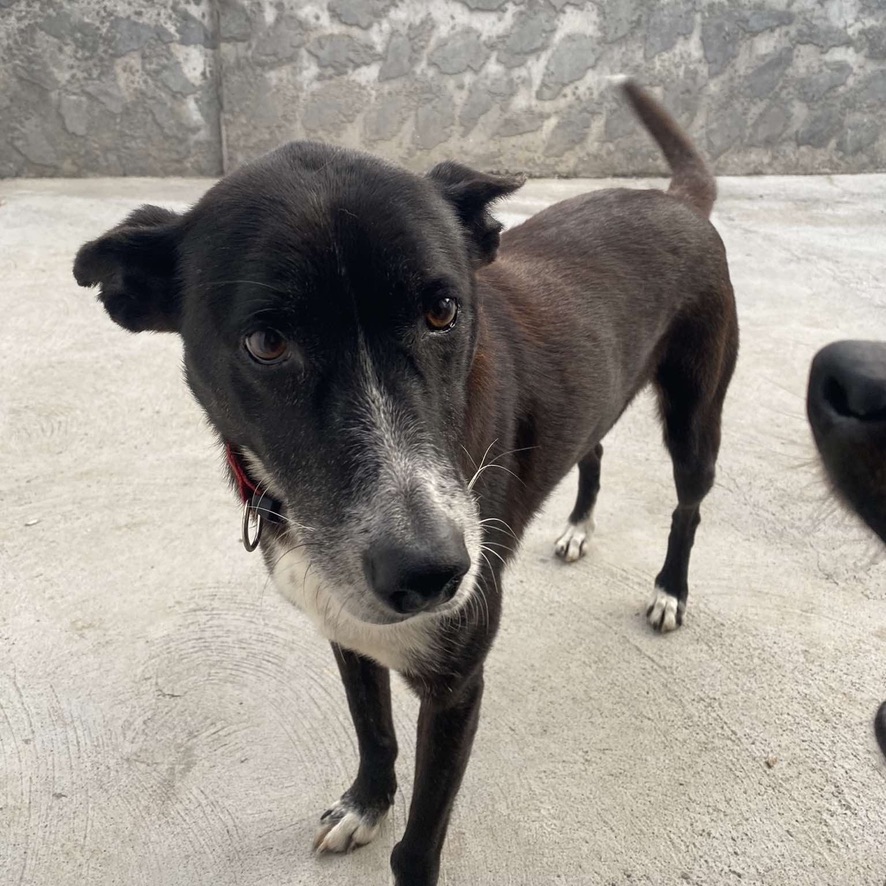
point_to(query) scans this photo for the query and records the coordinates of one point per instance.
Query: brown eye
(266, 346)
(442, 314)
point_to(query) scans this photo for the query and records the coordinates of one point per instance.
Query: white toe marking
(344, 829)
(572, 544)
(662, 612)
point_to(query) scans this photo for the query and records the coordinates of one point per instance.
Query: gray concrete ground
(167, 719)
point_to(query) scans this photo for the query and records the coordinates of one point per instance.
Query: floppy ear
(471, 193)
(135, 264)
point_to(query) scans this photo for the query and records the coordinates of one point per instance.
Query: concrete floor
(167, 719)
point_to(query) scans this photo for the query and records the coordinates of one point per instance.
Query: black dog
(400, 388)
(846, 403)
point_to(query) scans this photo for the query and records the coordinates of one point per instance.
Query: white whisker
(496, 553)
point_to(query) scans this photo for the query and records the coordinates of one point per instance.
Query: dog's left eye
(266, 346)
(442, 314)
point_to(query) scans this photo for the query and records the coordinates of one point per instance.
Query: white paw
(344, 827)
(570, 546)
(665, 612)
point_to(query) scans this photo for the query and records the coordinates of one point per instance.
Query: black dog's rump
(846, 403)
(407, 386)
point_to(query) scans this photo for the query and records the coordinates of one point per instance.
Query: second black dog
(846, 403)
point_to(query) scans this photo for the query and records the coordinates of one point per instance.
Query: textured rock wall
(108, 87)
(92, 87)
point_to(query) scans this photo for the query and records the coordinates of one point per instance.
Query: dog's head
(846, 403)
(327, 305)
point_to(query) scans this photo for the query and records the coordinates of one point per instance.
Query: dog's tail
(692, 181)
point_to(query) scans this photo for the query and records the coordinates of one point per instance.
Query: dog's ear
(136, 266)
(471, 193)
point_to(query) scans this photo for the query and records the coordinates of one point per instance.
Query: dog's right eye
(266, 346)
(442, 314)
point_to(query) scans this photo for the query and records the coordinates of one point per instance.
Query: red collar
(249, 491)
(245, 487)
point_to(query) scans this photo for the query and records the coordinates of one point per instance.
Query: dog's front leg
(355, 819)
(446, 728)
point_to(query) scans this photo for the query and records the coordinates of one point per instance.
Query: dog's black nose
(848, 379)
(418, 575)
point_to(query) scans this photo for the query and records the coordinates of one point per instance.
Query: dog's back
(601, 295)
(601, 280)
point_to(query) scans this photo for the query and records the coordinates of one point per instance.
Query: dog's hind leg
(691, 383)
(693, 441)
(570, 546)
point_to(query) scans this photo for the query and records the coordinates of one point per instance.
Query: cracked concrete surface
(167, 719)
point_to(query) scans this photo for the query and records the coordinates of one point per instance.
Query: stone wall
(95, 87)
(108, 87)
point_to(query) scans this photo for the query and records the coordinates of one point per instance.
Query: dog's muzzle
(420, 574)
(848, 381)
